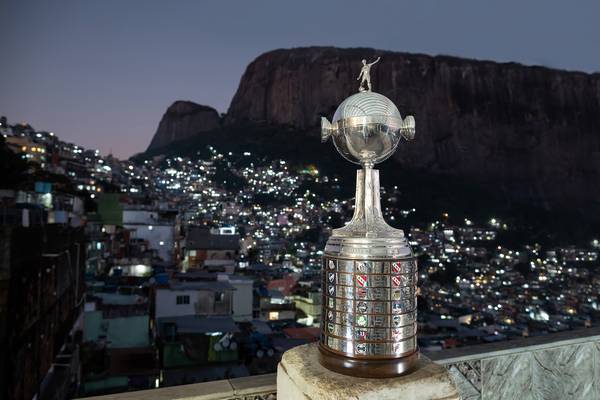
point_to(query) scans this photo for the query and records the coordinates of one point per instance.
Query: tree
(13, 168)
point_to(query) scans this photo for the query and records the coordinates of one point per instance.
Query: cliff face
(182, 120)
(532, 134)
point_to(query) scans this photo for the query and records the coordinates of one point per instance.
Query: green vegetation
(13, 168)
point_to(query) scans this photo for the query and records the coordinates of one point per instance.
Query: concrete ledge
(515, 346)
(259, 385)
(301, 377)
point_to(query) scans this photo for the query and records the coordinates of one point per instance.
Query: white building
(242, 297)
(154, 227)
(226, 295)
(194, 298)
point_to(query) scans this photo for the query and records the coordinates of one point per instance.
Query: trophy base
(369, 367)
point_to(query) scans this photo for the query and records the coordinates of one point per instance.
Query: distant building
(194, 298)
(110, 209)
(275, 307)
(117, 352)
(197, 348)
(310, 304)
(30, 150)
(242, 297)
(41, 304)
(268, 250)
(242, 294)
(201, 245)
(156, 227)
(284, 285)
(196, 329)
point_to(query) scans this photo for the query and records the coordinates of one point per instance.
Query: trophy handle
(326, 129)
(407, 128)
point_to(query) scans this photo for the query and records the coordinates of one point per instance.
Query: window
(183, 300)
(219, 296)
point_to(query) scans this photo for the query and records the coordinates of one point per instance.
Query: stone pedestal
(301, 377)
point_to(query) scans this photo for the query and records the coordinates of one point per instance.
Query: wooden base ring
(368, 368)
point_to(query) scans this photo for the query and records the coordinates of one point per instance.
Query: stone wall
(560, 366)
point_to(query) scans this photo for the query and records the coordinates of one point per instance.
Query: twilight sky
(101, 73)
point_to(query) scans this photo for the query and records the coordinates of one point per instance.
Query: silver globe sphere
(366, 128)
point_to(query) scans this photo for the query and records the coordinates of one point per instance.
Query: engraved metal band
(370, 280)
(354, 348)
(370, 334)
(362, 306)
(370, 267)
(370, 320)
(362, 293)
(370, 307)
(391, 123)
(389, 248)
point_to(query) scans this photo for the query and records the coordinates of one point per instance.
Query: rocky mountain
(529, 134)
(182, 120)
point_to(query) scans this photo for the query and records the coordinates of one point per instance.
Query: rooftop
(216, 286)
(197, 324)
(201, 239)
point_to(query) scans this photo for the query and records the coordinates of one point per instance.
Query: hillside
(524, 135)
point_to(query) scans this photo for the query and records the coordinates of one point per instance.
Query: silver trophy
(369, 271)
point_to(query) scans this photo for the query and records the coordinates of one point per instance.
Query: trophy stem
(368, 199)
(368, 221)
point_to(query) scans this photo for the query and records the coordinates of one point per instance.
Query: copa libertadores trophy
(369, 306)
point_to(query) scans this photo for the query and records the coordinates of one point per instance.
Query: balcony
(564, 365)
